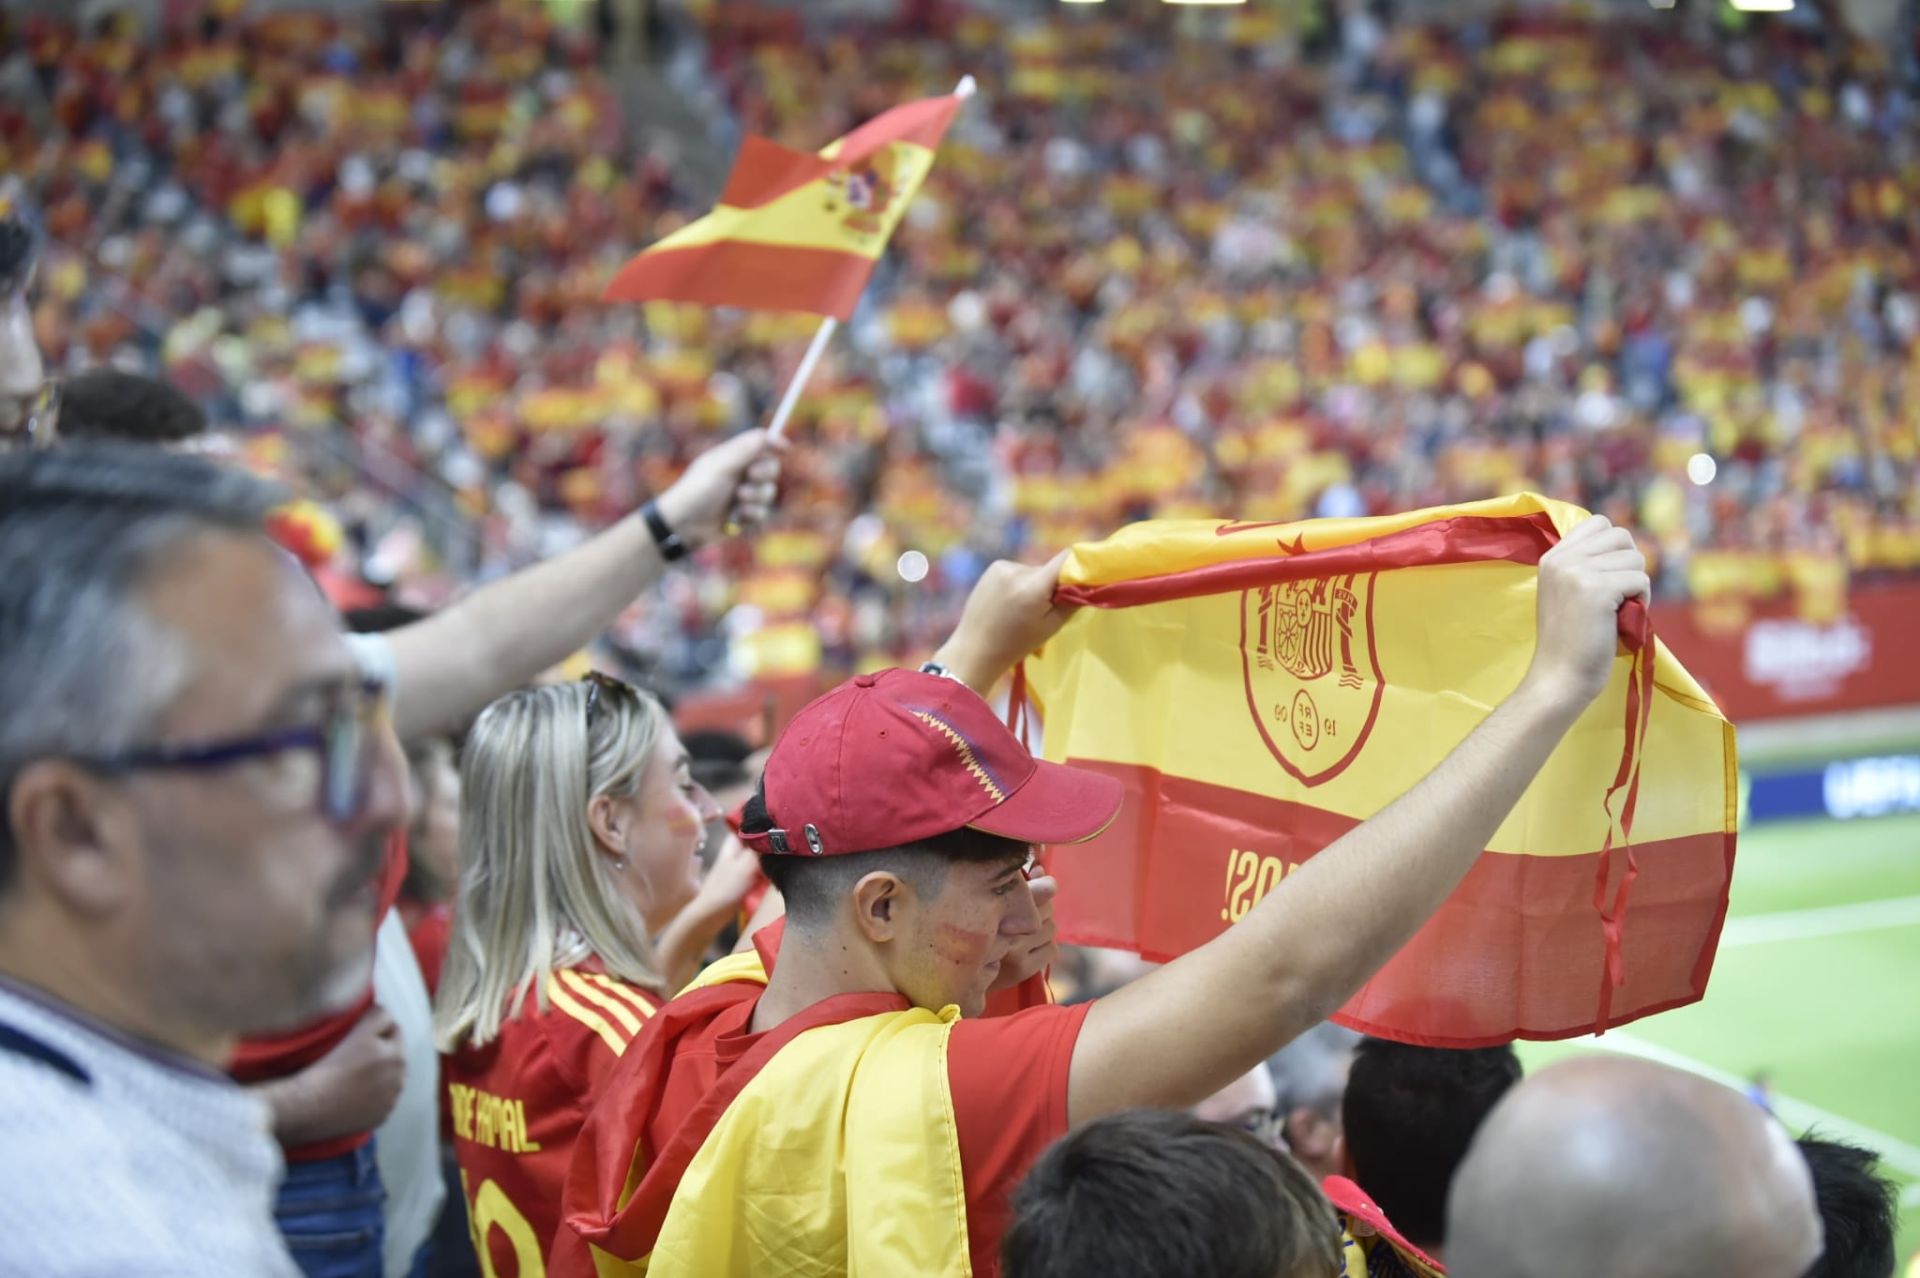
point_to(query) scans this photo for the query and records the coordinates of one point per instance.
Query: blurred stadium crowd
(1200, 264)
(1276, 263)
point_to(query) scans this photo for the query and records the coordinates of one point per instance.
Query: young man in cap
(855, 1113)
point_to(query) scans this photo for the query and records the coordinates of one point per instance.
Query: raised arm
(681, 948)
(454, 662)
(1009, 613)
(1189, 1028)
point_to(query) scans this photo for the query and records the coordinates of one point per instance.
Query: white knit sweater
(118, 1158)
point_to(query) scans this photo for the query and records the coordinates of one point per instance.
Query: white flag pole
(818, 347)
(815, 349)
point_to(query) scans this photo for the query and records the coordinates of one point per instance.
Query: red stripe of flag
(923, 123)
(764, 170)
(1459, 540)
(737, 273)
(1529, 972)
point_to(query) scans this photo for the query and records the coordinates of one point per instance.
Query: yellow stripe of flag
(1132, 667)
(833, 213)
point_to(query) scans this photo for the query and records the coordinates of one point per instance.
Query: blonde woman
(581, 835)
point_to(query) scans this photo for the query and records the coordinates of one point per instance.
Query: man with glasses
(331, 1083)
(1248, 1103)
(199, 785)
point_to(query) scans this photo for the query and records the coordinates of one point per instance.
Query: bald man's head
(1619, 1168)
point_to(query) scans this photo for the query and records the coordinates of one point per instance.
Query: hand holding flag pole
(799, 232)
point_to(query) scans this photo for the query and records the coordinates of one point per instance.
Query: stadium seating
(1166, 264)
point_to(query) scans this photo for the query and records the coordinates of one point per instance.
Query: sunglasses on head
(601, 687)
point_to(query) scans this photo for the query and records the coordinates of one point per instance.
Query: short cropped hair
(814, 886)
(1409, 1115)
(1311, 1071)
(1149, 1193)
(105, 403)
(718, 759)
(1856, 1209)
(83, 669)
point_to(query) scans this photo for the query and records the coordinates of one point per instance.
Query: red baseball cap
(895, 757)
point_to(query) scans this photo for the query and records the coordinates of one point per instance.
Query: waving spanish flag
(1261, 689)
(793, 231)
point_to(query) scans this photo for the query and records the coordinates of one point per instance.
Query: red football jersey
(518, 1103)
(1007, 1072)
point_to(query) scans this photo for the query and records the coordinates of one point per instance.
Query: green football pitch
(1817, 986)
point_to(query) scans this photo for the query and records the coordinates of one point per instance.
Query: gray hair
(1311, 1071)
(84, 670)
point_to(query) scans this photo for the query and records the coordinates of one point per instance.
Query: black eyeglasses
(342, 741)
(1266, 1126)
(43, 419)
(598, 684)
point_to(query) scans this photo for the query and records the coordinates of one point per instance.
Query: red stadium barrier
(757, 711)
(1773, 663)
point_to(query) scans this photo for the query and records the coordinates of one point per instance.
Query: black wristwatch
(671, 547)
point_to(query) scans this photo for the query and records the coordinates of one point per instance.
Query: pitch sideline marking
(1826, 920)
(1796, 1113)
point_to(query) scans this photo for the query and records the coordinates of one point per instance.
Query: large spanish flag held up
(793, 231)
(1263, 688)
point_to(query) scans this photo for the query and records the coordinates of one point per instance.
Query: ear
(877, 901)
(608, 821)
(1310, 1135)
(75, 836)
(1340, 1158)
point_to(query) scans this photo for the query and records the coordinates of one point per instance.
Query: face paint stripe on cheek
(961, 945)
(684, 818)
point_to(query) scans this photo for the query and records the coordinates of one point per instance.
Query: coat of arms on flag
(1312, 670)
